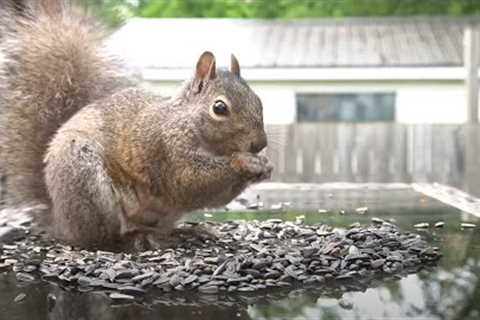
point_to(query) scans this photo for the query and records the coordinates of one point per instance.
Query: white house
(407, 70)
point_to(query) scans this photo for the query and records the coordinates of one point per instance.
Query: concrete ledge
(451, 196)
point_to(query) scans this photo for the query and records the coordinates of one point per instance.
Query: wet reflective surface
(449, 291)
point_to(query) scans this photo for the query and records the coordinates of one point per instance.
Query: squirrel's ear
(205, 70)
(234, 66)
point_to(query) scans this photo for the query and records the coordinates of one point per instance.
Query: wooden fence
(378, 152)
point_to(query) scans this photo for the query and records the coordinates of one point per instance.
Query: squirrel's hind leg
(84, 205)
(138, 213)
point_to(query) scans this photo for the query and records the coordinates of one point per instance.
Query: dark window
(345, 107)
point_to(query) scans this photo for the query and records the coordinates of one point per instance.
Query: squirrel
(111, 161)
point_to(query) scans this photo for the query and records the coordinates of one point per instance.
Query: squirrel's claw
(254, 167)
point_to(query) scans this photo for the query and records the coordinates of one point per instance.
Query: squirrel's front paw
(253, 167)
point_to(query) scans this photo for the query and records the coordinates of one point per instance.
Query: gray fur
(119, 163)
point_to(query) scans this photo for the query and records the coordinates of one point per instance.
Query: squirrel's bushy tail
(52, 63)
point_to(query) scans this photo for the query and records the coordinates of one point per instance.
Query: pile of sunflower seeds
(245, 257)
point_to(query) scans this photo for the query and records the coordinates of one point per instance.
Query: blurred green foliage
(304, 8)
(114, 11)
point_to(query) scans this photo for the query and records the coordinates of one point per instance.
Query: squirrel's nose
(259, 144)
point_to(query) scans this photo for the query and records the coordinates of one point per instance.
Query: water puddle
(450, 290)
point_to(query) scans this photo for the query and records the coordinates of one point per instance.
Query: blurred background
(358, 91)
(353, 90)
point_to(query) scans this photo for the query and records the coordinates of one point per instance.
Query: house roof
(311, 43)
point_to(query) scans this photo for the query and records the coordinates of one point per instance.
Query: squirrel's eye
(220, 108)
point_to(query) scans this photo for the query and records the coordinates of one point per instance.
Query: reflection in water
(450, 291)
(82, 306)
